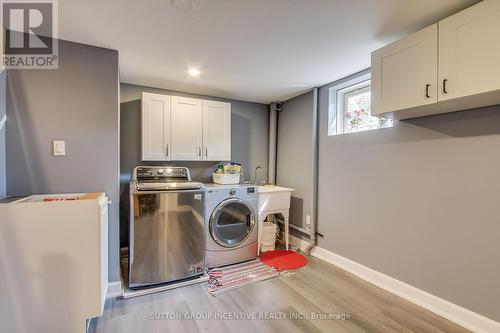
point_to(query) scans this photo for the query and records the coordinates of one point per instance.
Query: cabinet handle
(166, 150)
(206, 151)
(199, 151)
(444, 86)
(427, 86)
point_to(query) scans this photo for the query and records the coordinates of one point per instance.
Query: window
(350, 108)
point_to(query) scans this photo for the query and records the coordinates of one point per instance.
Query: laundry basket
(226, 178)
(268, 237)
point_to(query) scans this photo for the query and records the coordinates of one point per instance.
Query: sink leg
(260, 226)
(287, 229)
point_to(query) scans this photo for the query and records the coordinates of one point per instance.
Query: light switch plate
(59, 148)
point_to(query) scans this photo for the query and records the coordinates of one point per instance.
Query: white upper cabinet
(469, 51)
(450, 66)
(155, 121)
(404, 74)
(187, 128)
(216, 131)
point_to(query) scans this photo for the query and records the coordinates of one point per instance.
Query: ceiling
(253, 50)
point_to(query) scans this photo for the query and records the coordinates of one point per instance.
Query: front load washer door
(232, 222)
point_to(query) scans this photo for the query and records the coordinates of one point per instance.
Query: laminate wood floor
(318, 288)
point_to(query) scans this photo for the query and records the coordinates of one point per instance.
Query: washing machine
(230, 224)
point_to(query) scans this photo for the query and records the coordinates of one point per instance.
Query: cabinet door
(216, 131)
(187, 129)
(155, 127)
(469, 51)
(404, 74)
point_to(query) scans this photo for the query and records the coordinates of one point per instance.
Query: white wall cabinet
(155, 120)
(449, 66)
(216, 131)
(187, 129)
(404, 74)
(178, 128)
(469, 51)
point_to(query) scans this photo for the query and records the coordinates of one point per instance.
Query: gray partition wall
(418, 202)
(295, 164)
(249, 141)
(249, 133)
(77, 103)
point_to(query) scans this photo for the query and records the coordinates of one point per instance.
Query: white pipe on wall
(314, 174)
(273, 133)
(2, 122)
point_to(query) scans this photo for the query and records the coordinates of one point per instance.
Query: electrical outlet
(308, 221)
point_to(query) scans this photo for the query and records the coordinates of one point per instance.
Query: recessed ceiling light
(194, 72)
(184, 4)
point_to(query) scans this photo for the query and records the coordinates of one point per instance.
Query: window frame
(335, 118)
(356, 88)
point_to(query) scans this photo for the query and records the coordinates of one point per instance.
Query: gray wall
(295, 165)
(249, 141)
(418, 202)
(2, 137)
(77, 103)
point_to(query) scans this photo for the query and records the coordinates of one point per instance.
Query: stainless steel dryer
(166, 226)
(230, 224)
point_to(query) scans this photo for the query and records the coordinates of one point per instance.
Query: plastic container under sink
(268, 237)
(226, 178)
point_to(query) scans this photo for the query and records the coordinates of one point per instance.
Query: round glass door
(232, 223)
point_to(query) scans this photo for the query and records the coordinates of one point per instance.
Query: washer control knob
(232, 191)
(159, 171)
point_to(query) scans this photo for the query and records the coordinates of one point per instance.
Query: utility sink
(274, 198)
(273, 188)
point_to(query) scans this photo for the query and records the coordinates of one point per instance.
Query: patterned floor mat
(235, 276)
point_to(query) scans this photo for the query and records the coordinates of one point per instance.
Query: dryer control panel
(218, 192)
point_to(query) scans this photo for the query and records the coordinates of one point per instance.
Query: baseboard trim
(298, 242)
(457, 314)
(114, 289)
(91, 325)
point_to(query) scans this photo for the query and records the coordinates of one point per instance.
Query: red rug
(283, 259)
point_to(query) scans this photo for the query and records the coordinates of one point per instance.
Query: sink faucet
(255, 176)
